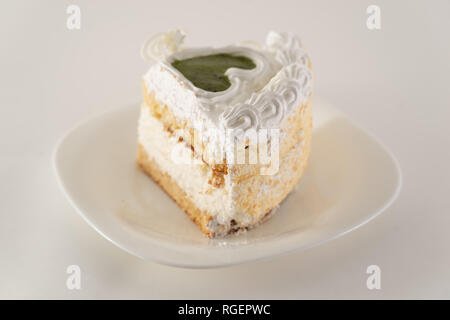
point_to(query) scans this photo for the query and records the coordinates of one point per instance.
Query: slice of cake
(225, 131)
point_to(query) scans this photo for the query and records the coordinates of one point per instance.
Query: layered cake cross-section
(225, 131)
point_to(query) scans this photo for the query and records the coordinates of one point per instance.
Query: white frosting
(258, 98)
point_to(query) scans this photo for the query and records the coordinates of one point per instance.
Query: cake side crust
(255, 194)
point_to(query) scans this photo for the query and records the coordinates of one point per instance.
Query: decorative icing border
(281, 80)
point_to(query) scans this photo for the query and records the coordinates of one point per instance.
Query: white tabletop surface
(393, 81)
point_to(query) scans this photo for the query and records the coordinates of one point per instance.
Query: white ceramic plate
(350, 179)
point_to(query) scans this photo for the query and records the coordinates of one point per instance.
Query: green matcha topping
(208, 72)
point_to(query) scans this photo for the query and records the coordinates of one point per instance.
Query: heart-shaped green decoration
(208, 72)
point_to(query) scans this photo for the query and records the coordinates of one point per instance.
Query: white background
(394, 82)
